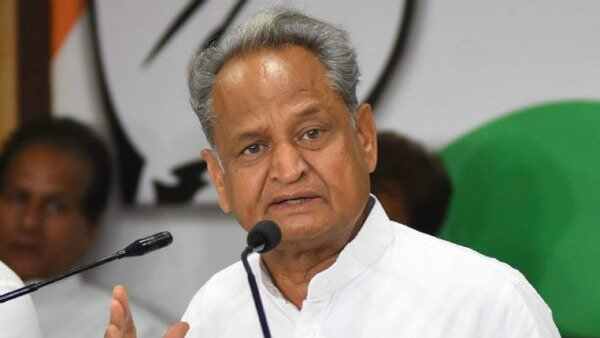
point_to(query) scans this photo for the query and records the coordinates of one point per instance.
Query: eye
(15, 197)
(55, 207)
(311, 134)
(253, 149)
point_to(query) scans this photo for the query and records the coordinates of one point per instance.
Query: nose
(33, 215)
(287, 164)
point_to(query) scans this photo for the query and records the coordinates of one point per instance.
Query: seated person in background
(17, 316)
(411, 183)
(55, 178)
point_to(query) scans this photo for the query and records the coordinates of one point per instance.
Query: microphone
(144, 245)
(263, 237)
(137, 248)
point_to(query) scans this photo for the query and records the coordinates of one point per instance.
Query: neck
(292, 268)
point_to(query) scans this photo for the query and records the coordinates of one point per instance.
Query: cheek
(66, 237)
(244, 191)
(8, 223)
(343, 168)
(8, 214)
(345, 175)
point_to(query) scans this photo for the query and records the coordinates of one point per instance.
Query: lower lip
(295, 205)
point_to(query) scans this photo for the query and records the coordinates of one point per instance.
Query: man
(290, 143)
(411, 183)
(54, 187)
(17, 317)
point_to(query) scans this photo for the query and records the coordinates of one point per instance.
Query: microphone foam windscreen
(264, 236)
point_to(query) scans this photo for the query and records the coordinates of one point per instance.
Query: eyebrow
(249, 135)
(306, 113)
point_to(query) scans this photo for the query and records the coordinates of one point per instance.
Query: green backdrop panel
(527, 191)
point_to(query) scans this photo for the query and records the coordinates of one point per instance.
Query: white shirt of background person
(18, 318)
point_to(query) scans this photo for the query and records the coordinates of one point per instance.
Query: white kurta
(390, 281)
(18, 318)
(74, 307)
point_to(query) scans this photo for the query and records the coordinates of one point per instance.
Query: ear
(367, 134)
(215, 171)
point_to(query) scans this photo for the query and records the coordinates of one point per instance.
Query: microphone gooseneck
(137, 248)
(263, 237)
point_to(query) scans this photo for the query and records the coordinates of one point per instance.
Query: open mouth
(293, 201)
(296, 200)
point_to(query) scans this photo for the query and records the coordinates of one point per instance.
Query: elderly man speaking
(290, 143)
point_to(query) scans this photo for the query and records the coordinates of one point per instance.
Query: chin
(297, 231)
(29, 274)
(24, 268)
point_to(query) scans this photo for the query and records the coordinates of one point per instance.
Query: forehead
(270, 63)
(271, 83)
(265, 74)
(47, 169)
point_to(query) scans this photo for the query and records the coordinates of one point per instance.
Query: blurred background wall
(456, 65)
(8, 57)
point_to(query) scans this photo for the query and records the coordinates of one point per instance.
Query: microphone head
(264, 236)
(144, 245)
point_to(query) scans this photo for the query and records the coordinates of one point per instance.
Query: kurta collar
(358, 256)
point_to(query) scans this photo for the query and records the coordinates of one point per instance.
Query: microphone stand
(137, 248)
(255, 293)
(34, 286)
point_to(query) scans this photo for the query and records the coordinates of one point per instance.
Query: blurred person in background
(55, 178)
(411, 183)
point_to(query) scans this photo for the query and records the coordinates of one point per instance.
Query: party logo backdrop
(143, 48)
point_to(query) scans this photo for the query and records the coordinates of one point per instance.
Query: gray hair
(272, 29)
